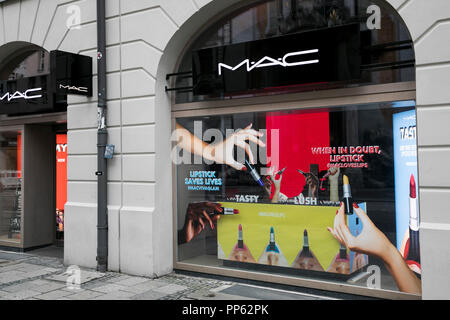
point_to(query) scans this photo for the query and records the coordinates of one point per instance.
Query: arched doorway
(385, 85)
(33, 161)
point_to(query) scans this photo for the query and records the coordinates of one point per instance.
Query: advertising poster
(61, 181)
(284, 236)
(406, 191)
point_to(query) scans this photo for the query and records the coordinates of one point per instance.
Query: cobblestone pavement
(29, 277)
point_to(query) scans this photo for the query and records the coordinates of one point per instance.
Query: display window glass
(11, 187)
(327, 194)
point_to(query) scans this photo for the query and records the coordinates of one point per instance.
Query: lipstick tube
(348, 201)
(240, 238)
(227, 211)
(272, 245)
(305, 242)
(254, 173)
(413, 212)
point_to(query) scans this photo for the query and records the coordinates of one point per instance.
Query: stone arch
(429, 26)
(14, 52)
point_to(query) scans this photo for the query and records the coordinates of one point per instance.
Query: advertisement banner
(406, 190)
(285, 236)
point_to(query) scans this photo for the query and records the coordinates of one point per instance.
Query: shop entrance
(33, 187)
(34, 85)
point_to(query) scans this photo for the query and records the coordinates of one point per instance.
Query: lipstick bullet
(348, 201)
(240, 238)
(272, 239)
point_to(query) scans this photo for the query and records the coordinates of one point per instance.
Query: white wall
(140, 213)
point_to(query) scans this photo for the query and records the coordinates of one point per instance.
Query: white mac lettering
(21, 95)
(269, 62)
(80, 89)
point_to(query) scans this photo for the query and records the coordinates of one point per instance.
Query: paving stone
(170, 289)
(84, 295)
(26, 267)
(146, 286)
(108, 288)
(39, 282)
(85, 276)
(21, 295)
(131, 281)
(53, 295)
(149, 295)
(116, 295)
(119, 278)
(48, 286)
(20, 287)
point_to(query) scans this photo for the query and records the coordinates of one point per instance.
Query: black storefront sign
(316, 57)
(69, 74)
(25, 96)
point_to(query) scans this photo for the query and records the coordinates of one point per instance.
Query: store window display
(329, 199)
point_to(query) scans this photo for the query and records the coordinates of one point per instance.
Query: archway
(169, 60)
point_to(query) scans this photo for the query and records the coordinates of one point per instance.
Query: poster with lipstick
(406, 205)
(287, 236)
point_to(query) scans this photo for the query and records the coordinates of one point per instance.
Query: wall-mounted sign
(69, 74)
(313, 57)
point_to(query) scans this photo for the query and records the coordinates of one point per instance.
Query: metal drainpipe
(102, 139)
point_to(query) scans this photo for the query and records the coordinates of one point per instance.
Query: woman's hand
(197, 216)
(371, 241)
(334, 174)
(222, 152)
(273, 173)
(272, 176)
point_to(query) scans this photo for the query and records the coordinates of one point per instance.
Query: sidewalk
(32, 277)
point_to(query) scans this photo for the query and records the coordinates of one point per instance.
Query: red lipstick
(412, 187)
(413, 207)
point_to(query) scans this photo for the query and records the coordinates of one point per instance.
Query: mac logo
(21, 95)
(286, 61)
(73, 88)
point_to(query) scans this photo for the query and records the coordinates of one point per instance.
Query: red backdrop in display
(298, 133)
(19, 155)
(61, 171)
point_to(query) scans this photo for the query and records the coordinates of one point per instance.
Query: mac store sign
(307, 58)
(69, 74)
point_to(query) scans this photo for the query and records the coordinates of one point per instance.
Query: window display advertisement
(327, 194)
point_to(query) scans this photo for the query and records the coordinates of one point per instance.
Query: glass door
(11, 187)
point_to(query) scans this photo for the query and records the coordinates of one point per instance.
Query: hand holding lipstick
(222, 152)
(373, 242)
(272, 177)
